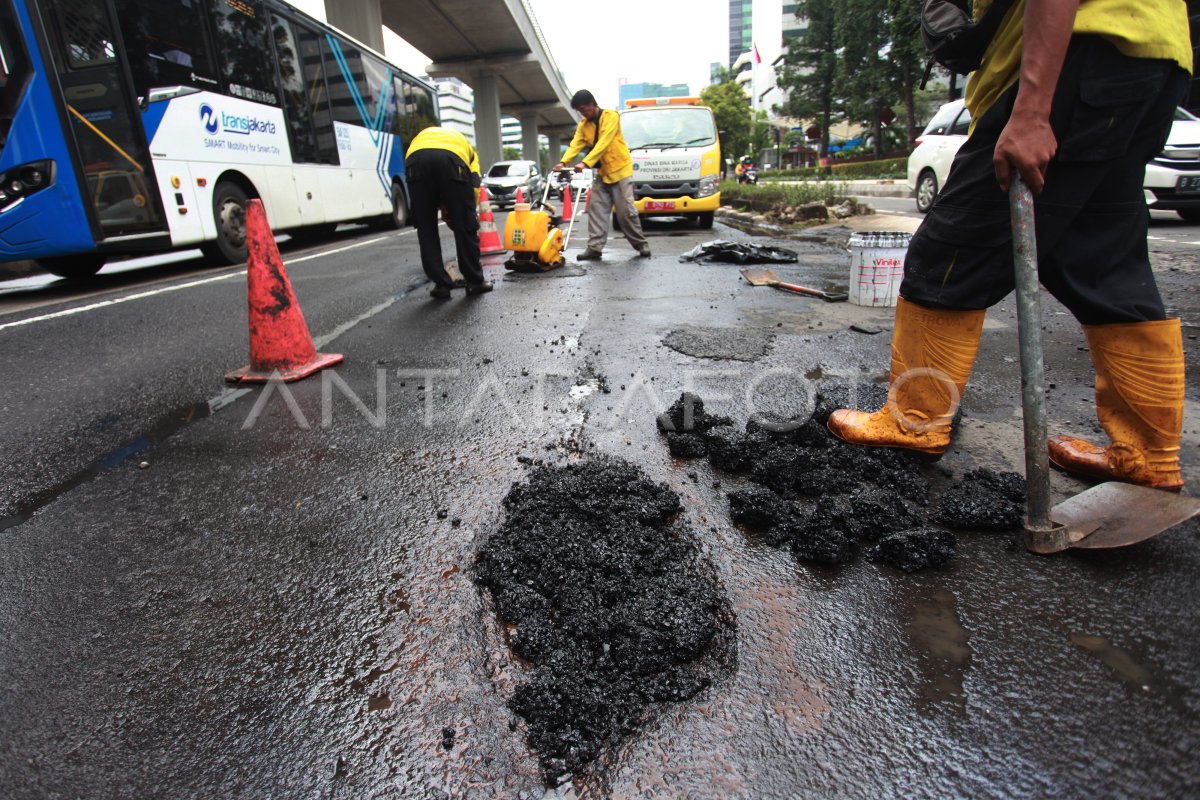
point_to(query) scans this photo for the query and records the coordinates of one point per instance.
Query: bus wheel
(704, 220)
(229, 216)
(73, 267)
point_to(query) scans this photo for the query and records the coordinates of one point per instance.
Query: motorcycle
(750, 176)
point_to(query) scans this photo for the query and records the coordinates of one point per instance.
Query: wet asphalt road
(279, 603)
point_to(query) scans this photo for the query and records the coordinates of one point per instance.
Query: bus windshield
(668, 126)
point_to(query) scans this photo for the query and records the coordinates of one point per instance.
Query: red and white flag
(757, 57)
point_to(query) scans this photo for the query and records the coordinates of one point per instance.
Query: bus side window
(344, 74)
(166, 43)
(398, 112)
(420, 109)
(311, 49)
(295, 95)
(241, 39)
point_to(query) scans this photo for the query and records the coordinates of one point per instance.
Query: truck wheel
(74, 268)
(704, 220)
(229, 217)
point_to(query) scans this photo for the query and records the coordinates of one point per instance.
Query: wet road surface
(280, 601)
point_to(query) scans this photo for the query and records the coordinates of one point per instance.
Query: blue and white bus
(143, 125)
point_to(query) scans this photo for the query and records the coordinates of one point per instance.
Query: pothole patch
(728, 344)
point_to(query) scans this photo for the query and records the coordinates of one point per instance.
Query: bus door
(110, 142)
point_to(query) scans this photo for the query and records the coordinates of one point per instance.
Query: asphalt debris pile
(825, 499)
(609, 600)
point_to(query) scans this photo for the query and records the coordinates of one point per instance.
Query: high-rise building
(456, 101)
(636, 91)
(741, 28)
(793, 26)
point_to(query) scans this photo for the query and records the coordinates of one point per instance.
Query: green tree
(864, 71)
(909, 58)
(809, 73)
(731, 107)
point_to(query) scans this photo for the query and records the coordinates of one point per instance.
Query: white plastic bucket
(877, 267)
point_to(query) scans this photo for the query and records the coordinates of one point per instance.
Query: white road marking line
(178, 287)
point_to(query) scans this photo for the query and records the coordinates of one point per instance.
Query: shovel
(766, 277)
(1107, 515)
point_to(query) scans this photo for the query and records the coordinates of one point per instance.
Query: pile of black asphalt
(610, 602)
(826, 499)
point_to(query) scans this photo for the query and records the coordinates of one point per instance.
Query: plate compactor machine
(535, 238)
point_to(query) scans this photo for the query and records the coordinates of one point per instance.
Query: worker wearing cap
(1076, 96)
(599, 133)
(443, 174)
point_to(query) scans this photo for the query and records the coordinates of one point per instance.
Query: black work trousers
(439, 179)
(1111, 114)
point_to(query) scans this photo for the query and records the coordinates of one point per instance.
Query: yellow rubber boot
(1139, 400)
(933, 351)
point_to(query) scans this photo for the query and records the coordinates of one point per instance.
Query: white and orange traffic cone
(520, 198)
(489, 238)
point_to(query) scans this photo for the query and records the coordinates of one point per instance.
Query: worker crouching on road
(1077, 95)
(443, 174)
(599, 132)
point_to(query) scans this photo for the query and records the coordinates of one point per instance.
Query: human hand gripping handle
(1028, 144)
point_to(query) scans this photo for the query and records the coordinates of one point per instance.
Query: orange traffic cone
(280, 344)
(520, 198)
(489, 239)
(567, 210)
(587, 201)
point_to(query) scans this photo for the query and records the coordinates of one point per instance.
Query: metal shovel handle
(1033, 390)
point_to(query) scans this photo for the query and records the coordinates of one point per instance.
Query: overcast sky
(652, 41)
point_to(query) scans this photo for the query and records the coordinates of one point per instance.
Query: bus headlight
(21, 181)
(708, 186)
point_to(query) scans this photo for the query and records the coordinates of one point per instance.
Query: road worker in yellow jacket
(443, 174)
(1076, 96)
(599, 133)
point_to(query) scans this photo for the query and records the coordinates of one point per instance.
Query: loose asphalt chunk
(983, 500)
(609, 601)
(825, 498)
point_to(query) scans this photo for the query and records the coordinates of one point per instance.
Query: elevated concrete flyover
(494, 46)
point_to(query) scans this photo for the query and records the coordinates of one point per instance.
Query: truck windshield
(668, 127)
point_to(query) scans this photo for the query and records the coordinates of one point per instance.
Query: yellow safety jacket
(1138, 28)
(445, 139)
(608, 148)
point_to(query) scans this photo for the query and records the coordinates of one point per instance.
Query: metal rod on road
(1033, 390)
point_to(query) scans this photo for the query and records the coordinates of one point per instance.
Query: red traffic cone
(587, 200)
(520, 198)
(489, 238)
(280, 344)
(567, 211)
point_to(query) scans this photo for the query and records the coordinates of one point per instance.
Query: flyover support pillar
(555, 136)
(362, 19)
(487, 119)
(529, 137)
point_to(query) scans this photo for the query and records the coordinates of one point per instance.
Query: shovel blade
(1120, 514)
(760, 277)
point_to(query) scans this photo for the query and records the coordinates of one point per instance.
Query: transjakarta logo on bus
(233, 123)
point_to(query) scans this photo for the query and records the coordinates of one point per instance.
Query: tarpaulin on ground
(727, 252)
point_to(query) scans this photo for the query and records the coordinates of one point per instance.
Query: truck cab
(676, 157)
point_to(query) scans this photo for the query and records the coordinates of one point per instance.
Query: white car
(929, 163)
(1173, 176)
(1172, 180)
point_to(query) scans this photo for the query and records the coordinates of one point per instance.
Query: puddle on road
(943, 648)
(166, 426)
(1135, 675)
